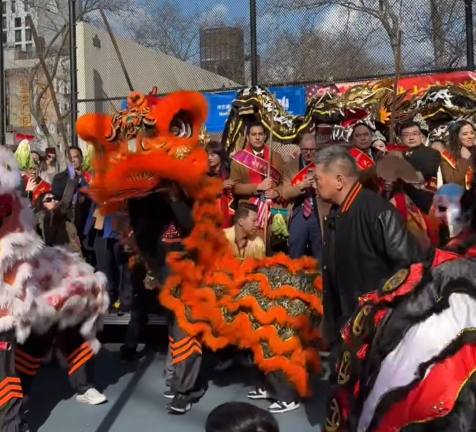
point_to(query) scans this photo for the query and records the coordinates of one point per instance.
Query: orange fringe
(205, 310)
(215, 262)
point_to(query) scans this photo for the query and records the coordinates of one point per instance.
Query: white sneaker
(282, 407)
(91, 397)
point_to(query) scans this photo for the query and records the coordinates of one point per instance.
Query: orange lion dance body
(272, 306)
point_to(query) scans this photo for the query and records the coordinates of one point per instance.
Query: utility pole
(2, 84)
(469, 34)
(73, 66)
(254, 44)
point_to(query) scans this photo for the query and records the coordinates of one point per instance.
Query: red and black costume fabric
(11, 393)
(408, 355)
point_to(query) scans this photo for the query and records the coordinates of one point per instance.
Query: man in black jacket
(160, 221)
(365, 240)
(425, 160)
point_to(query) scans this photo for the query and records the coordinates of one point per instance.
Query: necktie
(307, 205)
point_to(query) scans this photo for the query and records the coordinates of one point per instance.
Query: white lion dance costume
(41, 288)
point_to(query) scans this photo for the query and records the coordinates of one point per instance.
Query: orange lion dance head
(154, 138)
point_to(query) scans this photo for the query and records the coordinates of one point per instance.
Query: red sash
(301, 175)
(258, 167)
(468, 178)
(225, 202)
(396, 148)
(88, 177)
(363, 161)
(432, 184)
(450, 160)
(43, 187)
(411, 211)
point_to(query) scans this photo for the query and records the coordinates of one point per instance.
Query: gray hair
(336, 157)
(306, 136)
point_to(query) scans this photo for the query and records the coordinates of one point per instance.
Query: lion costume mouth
(153, 139)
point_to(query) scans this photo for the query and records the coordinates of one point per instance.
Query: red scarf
(225, 200)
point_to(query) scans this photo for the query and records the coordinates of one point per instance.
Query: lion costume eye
(180, 126)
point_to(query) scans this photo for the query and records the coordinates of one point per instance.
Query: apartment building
(16, 25)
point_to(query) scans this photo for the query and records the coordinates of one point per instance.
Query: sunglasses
(48, 200)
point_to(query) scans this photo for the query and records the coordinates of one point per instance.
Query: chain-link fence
(209, 46)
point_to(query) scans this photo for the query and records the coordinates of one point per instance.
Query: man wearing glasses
(425, 160)
(308, 210)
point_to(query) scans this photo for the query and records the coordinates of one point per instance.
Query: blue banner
(293, 100)
(219, 106)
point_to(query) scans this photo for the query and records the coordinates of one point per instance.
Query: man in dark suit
(308, 210)
(81, 203)
(425, 160)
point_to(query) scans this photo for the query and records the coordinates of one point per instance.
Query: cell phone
(310, 174)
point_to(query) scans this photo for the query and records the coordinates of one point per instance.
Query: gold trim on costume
(343, 376)
(396, 281)
(334, 417)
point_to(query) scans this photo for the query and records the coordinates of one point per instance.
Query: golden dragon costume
(271, 306)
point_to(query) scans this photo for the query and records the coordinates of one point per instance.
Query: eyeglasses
(304, 150)
(411, 135)
(48, 200)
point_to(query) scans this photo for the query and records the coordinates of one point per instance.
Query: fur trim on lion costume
(272, 306)
(41, 286)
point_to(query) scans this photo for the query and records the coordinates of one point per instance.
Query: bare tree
(310, 54)
(438, 22)
(168, 29)
(50, 62)
(446, 30)
(386, 12)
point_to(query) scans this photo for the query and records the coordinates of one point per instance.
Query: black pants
(11, 394)
(278, 387)
(107, 263)
(141, 300)
(186, 354)
(29, 357)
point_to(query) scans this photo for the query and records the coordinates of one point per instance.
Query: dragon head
(153, 139)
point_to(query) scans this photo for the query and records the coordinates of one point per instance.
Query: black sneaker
(180, 405)
(168, 394)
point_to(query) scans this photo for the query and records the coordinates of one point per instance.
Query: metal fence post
(2, 86)
(73, 65)
(254, 44)
(469, 34)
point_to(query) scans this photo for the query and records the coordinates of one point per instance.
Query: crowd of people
(362, 211)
